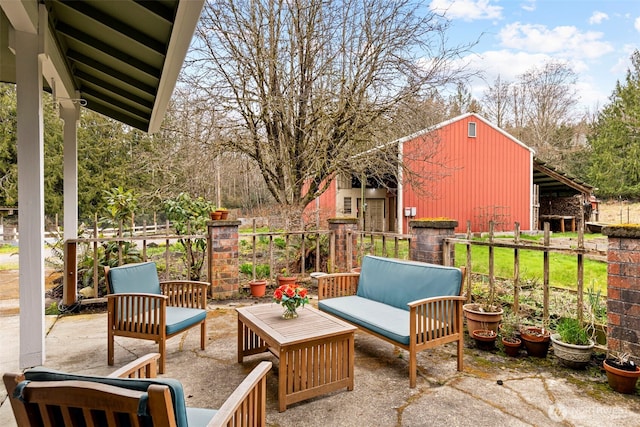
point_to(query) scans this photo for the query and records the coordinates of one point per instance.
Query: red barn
(471, 170)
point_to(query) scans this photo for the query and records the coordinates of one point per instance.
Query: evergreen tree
(615, 139)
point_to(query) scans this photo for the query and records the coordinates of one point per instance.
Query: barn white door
(374, 215)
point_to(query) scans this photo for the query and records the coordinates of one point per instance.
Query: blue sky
(594, 37)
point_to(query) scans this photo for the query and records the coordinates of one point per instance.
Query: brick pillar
(223, 265)
(427, 240)
(623, 289)
(340, 228)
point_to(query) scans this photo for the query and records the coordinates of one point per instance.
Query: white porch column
(30, 198)
(70, 115)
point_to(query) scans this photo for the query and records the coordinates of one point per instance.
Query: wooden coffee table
(315, 350)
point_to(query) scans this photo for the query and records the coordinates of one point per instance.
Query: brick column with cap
(341, 228)
(223, 253)
(427, 241)
(623, 289)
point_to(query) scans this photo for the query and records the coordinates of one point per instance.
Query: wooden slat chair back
(131, 396)
(140, 306)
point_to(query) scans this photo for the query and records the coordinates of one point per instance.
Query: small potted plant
(573, 342)
(487, 313)
(622, 372)
(536, 340)
(510, 334)
(258, 285)
(285, 279)
(224, 213)
(290, 297)
(485, 338)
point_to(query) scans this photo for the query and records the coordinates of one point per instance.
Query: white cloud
(598, 17)
(467, 10)
(636, 24)
(529, 6)
(566, 41)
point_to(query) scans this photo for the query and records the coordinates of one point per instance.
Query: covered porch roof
(119, 58)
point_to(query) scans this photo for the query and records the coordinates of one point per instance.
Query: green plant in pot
(536, 340)
(485, 338)
(483, 315)
(510, 334)
(573, 342)
(622, 372)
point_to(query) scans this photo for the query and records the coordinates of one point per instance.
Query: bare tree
(550, 97)
(495, 102)
(538, 109)
(304, 86)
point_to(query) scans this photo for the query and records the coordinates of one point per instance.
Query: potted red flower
(290, 297)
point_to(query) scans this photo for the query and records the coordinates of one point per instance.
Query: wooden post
(516, 269)
(545, 288)
(70, 287)
(580, 290)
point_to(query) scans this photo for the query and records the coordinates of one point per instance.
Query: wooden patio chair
(140, 306)
(131, 396)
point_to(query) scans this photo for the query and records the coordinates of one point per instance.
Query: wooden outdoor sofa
(140, 306)
(130, 396)
(412, 305)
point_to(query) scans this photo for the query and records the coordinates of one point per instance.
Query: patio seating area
(492, 389)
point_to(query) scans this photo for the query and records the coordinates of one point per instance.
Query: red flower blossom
(290, 292)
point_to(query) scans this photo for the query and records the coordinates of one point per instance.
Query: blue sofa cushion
(397, 282)
(381, 318)
(200, 417)
(138, 384)
(135, 278)
(179, 318)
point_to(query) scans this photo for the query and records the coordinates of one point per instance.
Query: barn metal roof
(553, 182)
(123, 56)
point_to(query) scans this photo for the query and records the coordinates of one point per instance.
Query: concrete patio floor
(493, 390)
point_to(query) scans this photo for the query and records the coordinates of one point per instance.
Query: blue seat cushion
(135, 278)
(381, 318)
(200, 417)
(398, 282)
(180, 318)
(138, 384)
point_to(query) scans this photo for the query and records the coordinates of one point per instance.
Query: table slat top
(310, 324)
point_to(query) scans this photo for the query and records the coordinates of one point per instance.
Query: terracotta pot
(258, 287)
(621, 380)
(535, 341)
(224, 214)
(512, 348)
(571, 355)
(477, 319)
(214, 215)
(485, 338)
(287, 280)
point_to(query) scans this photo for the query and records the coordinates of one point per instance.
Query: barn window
(472, 129)
(347, 205)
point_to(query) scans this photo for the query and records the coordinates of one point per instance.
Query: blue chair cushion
(397, 282)
(384, 319)
(200, 417)
(180, 318)
(138, 384)
(135, 278)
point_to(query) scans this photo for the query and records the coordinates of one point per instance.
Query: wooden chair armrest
(185, 293)
(143, 367)
(248, 401)
(434, 319)
(337, 285)
(432, 300)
